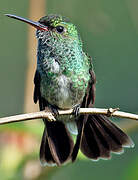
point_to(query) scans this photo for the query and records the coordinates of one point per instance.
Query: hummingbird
(65, 79)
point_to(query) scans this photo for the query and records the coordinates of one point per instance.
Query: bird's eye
(60, 29)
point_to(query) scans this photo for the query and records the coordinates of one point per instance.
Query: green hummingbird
(65, 79)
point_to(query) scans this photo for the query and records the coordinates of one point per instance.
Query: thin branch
(50, 117)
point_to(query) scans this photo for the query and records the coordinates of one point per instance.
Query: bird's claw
(53, 112)
(76, 110)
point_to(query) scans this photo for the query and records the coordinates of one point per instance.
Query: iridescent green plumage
(63, 66)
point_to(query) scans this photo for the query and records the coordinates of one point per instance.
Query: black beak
(37, 25)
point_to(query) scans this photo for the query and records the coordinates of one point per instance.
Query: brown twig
(50, 117)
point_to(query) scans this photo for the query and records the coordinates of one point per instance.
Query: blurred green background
(109, 30)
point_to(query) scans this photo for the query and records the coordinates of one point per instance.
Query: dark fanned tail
(101, 136)
(56, 145)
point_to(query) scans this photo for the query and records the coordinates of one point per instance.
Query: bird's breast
(64, 77)
(62, 91)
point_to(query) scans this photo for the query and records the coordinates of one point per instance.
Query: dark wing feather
(37, 87)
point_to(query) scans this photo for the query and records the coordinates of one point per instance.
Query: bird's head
(52, 27)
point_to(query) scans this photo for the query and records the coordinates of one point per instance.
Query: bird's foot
(54, 110)
(76, 110)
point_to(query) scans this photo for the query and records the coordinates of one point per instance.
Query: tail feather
(46, 157)
(116, 133)
(57, 144)
(80, 125)
(101, 136)
(93, 145)
(106, 135)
